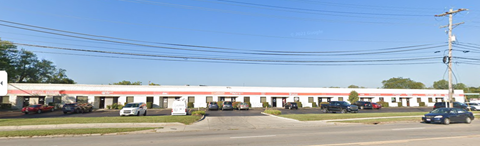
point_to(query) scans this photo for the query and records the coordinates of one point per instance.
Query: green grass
(30, 133)
(86, 120)
(273, 112)
(385, 120)
(333, 116)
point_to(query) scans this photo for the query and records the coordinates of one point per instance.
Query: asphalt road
(215, 113)
(338, 135)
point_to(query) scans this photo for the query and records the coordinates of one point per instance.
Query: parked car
(86, 107)
(455, 105)
(339, 106)
(179, 107)
(363, 104)
(212, 106)
(243, 105)
(448, 115)
(227, 105)
(73, 108)
(134, 109)
(473, 106)
(376, 105)
(37, 108)
(291, 105)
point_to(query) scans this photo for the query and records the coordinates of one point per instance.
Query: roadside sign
(3, 83)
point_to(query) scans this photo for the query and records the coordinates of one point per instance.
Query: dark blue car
(448, 115)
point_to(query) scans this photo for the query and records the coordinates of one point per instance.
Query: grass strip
(29, 133)
(86, 120)
(333, 116)
(384, 120)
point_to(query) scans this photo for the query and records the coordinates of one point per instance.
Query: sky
(275, 43)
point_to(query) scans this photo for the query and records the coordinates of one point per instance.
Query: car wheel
(145, 113)
(90, 110)
(343, 111)
(325, 110)
(26, 113)
(52, 110)
(39, 111)
(355, 111)
(138, 113)
(64, 112)
(290, 108)
(468, 120)
(446, 121)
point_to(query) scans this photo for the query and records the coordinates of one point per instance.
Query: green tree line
(24, 66)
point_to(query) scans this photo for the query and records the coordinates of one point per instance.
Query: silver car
(473, 106)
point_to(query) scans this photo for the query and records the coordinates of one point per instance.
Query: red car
(376, 105)
(37, 108)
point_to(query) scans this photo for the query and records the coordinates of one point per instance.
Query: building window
(430, 100)
(191, 98)
(453, 99)
(82, 99)
(394, 99)
(209, 99)
(246, 99)
(329, 99)
(340, 98)
(129, 99)
(310, 99)
(320, 99)
(381, 99)
(419, 99)
(222, 98)
(263, 99)
(296, 99)
(4, 99)
(176, 98)
(57, 99)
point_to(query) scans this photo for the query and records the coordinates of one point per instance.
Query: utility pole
(450, 27)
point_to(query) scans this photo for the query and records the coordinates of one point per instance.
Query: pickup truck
(339, 106)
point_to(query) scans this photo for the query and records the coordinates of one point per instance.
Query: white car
(135, 109)
(473, 106)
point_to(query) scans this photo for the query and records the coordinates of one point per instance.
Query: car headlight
(348, 106)
(438, 116)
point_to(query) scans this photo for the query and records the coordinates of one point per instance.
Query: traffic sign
(3, 83)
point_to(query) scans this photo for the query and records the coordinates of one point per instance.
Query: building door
(102, 103)
(150, 100)
(284, 101)
(41, 100)
(408, 102)
(26, 101)
(165, 102)
(274, 102)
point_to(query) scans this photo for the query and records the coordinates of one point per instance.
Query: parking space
(250, 112)
(383, 110)
(98, 113)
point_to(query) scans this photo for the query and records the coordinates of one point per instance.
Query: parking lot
(213, 113)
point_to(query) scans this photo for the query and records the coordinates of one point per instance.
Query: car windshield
(243, 103)
(440, 111)
(213, 103)
(227, 103)
(294, 103)
(132, 105)
(34, 106)
(69, 105)
(344, 103)
(473, 104)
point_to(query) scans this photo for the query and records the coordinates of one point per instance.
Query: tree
(443, 84)
(24, 67)
(402, 83)
(355, 86)
(153, 84)
(127, 83)
(353, 96)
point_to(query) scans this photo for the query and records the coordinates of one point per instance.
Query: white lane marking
(418, 128)
(254, 136)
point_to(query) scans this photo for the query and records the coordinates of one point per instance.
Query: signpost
(3, 83)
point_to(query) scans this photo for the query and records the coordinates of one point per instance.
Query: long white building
(22, 94)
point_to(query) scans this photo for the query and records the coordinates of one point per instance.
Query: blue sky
(250, 35)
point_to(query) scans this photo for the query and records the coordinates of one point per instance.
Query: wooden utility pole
(450, 27)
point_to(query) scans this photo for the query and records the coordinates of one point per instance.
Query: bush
(421, 104)
(119, 106)
(5, 106)
(399, 104)
(220, 104)
(190, 105)
(265, 104)
(273, 112)
(323, 103)
(314, 104)
(51, 104)
(235, 104)
(299, 104)
(198, 113)
(383, 103)
(114, 106)
(109, 106)
(149, 104)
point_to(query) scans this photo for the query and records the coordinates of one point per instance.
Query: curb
(78, 135)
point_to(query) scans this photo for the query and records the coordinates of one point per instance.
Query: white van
(179, 108)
